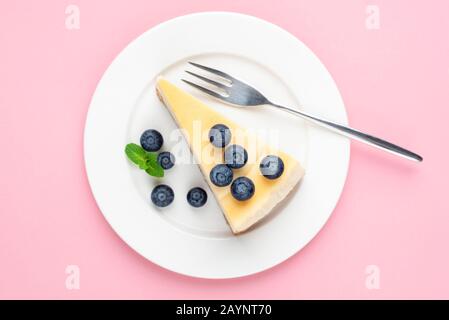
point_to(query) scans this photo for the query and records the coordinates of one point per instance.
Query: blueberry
(151, 140)
(166, 160)
(235, 156)
(162, 195)
(221, 175)
(271, 167)
(197, 197)
(220, 135)
(242, 188)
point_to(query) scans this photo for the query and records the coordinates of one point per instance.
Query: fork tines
(222, 87)
(214, 71)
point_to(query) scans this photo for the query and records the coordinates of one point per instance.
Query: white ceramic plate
(198, 242)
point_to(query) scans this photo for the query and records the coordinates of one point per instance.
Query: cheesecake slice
(196, 119)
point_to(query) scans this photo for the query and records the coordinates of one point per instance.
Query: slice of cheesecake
(196, 119)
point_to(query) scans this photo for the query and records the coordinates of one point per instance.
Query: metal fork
(238, 93)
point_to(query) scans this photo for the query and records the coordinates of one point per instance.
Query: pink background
(393, 214)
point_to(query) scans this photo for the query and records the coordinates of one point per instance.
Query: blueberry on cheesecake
(235, 156)
(271, 167)
(242, 188)
(220, 135)
(221, 175)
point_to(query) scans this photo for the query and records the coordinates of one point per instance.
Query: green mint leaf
(145, 160)
(137, 155)
(153, 167)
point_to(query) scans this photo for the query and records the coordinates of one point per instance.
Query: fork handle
(355, 134)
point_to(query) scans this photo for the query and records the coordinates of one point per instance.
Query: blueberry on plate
(166, 160)
(271, 167)
(242, 188)
(235, 156)
(162, 195)
(221, 175)
(220, 135)
(151, 140)
(197, 197)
